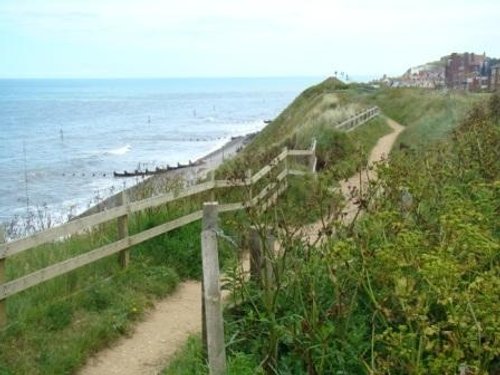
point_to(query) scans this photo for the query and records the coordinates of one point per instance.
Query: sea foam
(119, 151)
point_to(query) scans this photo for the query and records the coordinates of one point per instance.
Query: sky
(237, 38)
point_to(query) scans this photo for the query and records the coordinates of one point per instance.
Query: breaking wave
(119, 151)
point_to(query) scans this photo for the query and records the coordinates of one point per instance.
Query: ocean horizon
(63, 138)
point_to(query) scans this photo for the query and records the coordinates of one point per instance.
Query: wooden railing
(266, 197)
(358, 119)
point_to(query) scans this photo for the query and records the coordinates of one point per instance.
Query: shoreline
(156, 184)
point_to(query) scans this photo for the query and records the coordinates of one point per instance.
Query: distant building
(494, 83)
(472, 72)
(430, 76)
(462, 71)
(465, 71)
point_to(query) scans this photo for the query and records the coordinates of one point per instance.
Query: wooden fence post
(260, 263)
(285, 161)
(248, 181)
(269, 279)
(213, 324)
(124, 255)
(204, 341)
(312, 158)
(255, 254)
(212, 179)
(3, 310)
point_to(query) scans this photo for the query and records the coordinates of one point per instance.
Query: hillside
(410, 287)
(312, 116)
(342, 303)
(57, 325)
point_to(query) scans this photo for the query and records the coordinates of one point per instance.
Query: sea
(61, 139)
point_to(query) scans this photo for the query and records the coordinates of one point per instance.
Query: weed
(412, 292)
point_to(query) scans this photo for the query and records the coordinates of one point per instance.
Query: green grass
(340, 155)
(306, 200)
(55, 337)
(428, 115)
(189, 361)
(319, 105)
(412, 288)
(368, 134)
(53, 327)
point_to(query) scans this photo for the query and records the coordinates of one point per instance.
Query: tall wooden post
(212, 179)
(255, 254)
(248, 182)
(3, 310)
(213, 324)
(204, 341)
(285, 162)
(312, 158)
(124, 256)
(261, 268)
(268, 264)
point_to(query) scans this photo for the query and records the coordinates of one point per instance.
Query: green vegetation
(55, 336)
(428, 115)
(189, 361)
(403, 291)
(340, 155)
(317, 105)
(312, 112)
(55, 326)
(411, 288)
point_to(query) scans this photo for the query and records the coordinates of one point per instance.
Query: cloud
(250, 36)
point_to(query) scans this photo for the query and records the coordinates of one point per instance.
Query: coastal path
(167, 327)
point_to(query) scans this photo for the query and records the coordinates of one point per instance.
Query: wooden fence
(266, 197)
(358, 119)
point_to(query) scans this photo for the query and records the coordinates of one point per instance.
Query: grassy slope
(352, 150)
(303, 112)
(411, 290)
(45, 322)
(56, 325)
(428, 115)
(106, 300)
(316, 107)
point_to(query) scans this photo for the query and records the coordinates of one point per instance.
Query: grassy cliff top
(319, 103)
(318, 106)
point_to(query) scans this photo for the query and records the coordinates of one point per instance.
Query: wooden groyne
(156, 171)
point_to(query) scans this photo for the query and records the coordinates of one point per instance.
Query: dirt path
(166, 328)
(360, 180)
(153, 342)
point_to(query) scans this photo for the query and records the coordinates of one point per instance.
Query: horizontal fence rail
(359, 119)
(263, 199)
(267, 196)
(76, 226)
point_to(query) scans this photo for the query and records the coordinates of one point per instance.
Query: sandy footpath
(167, 327)
(154, 340)
(359, 181)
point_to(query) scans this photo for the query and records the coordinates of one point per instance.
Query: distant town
(463, 71)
